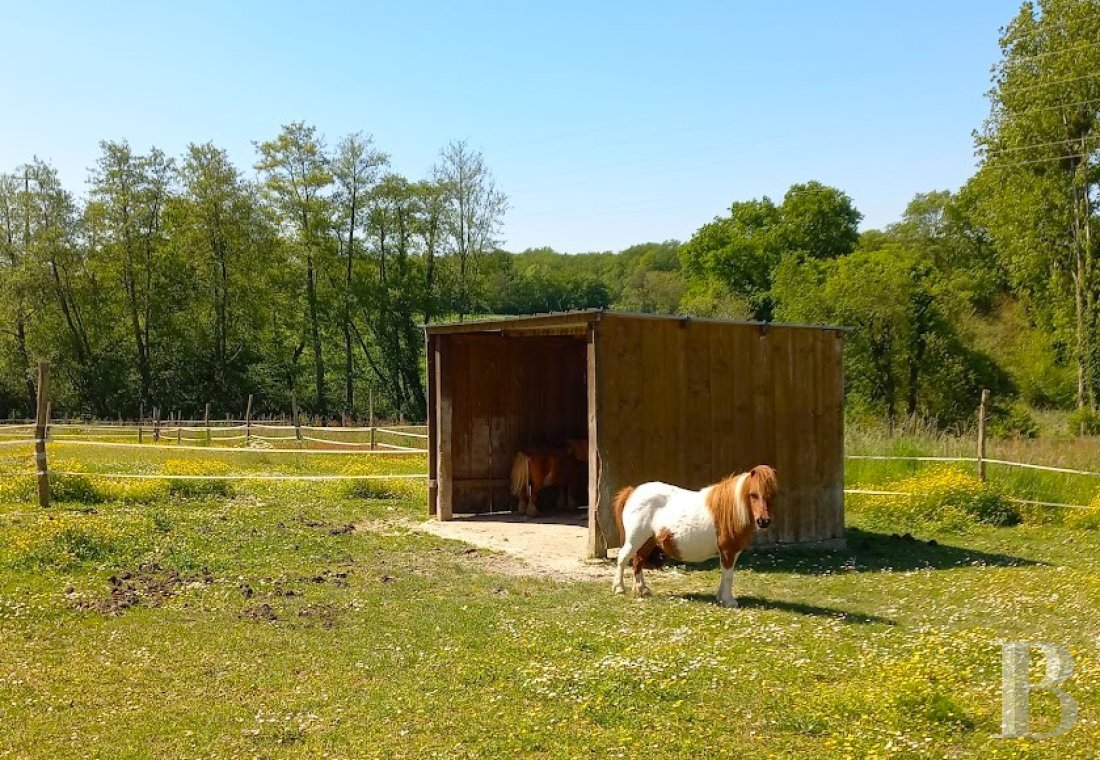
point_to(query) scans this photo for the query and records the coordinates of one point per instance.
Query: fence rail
(974, 460)
(68, 433)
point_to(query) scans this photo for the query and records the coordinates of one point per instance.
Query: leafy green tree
(356, 168)
(391, 294)
(904, 355)
(818, 220)
(16, 282)
(296, 179)
(473, 214)
(1038, 176)
(128, 196)
(223, 251)
(739, 251)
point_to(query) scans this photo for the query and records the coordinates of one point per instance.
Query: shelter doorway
(499, 393)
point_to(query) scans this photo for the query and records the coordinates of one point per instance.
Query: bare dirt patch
(552, 547)
(150, 585)
(259, 612)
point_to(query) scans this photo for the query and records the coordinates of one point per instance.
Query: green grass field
(240, 619)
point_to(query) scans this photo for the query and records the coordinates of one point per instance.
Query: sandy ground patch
(551, 547)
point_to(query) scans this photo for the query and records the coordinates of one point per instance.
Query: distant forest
(178, 281)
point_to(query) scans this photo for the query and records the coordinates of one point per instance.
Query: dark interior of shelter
(513, 392)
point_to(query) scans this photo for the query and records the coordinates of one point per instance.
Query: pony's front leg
(725, 585)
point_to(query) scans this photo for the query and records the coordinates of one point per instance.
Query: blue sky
(606, 123)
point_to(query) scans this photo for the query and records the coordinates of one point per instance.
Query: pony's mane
(729, 505)
(728, 501)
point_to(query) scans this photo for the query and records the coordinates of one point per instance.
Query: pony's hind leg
(640, 587)
(626, 553)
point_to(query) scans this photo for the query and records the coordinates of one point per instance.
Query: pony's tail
(521, 473)
(620, 505)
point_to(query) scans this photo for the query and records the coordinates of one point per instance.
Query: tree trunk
(1080, 278)
(25, 362)
(315, 335)
(349, 364)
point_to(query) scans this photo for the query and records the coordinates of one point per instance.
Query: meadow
(218, 618)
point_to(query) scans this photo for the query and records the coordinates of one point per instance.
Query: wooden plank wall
(691, 402)
(509, 392)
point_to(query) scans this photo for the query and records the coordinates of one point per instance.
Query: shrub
(1084, 422)
(17, 488)
(131, 491)
(199, 487)
(380, 488)
(947, 497)
(68, 539)
(75, 487)
(1085, 519)
(1014, 422)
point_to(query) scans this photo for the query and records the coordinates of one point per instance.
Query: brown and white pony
(693, 526)
(564, 466)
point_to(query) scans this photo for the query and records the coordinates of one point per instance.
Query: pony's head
(762, 486)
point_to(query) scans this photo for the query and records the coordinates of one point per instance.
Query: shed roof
(580, 318)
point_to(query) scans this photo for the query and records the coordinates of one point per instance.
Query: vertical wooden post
(206, 422)
(444, 413)
(597, 542)
(49, 416)
(179, 428)
(248, 422)
(433, 453)
(297, 418)
(373, 434)
(41, 423)
(981, 434)
(141, 419)
(156, 424)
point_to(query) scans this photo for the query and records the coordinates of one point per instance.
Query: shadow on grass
(800, 608)
(875, 552)
(867, 552)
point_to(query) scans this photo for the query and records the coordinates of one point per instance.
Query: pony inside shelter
(685, 401)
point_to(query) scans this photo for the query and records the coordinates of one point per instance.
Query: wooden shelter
(687, 401)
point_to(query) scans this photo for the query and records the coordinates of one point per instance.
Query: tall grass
(915, 439)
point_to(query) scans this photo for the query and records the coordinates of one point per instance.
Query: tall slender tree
(355, 168)
(474, 213)
(296, 179)
(131, 191)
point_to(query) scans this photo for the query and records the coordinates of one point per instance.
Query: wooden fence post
(141, 418)
(373, 434)
(297, 418)
(982, 410)
(206, 422)
(248, 422)
(49, 415)
(156, 424)
(41, 423)
(179, 428)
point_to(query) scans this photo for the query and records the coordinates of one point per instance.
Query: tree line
(181, 282)
(177, 282)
